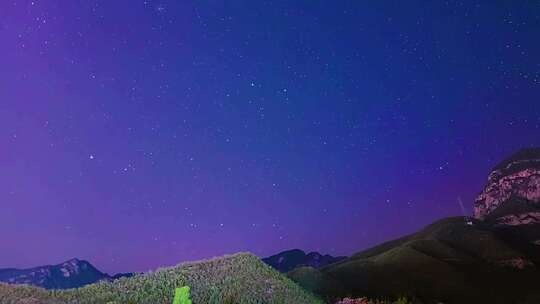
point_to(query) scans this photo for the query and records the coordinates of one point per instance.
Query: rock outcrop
(512, 195)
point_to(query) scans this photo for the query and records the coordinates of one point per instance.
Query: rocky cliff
(512, 194)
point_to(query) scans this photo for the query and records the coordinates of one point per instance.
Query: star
(160, 9)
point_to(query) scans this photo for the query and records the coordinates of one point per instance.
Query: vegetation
(448, 261)
(236, 279)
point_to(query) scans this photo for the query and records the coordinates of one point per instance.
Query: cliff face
(512, 195)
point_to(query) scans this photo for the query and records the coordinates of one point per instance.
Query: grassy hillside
(240, 278)
(315, 281)
(447, 261)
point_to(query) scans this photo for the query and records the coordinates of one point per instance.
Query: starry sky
(137, 134)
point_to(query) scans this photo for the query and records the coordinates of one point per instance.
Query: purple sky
(137, 134)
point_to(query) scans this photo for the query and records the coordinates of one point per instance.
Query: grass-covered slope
(240, 278)
(447, 261)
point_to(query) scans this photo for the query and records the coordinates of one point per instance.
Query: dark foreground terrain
(448, 261)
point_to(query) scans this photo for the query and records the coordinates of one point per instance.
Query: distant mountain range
(70, 274)
(291, 259)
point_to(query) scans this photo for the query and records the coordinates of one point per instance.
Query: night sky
(137, 134)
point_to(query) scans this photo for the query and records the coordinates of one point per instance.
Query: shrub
(182, 296)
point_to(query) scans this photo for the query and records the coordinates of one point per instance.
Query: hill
(240, 278)
(448, 261)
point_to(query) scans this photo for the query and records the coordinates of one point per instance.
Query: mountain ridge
(72, 273)
(288, 260)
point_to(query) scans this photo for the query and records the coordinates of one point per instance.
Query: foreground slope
(449, 261)
(240, 278)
